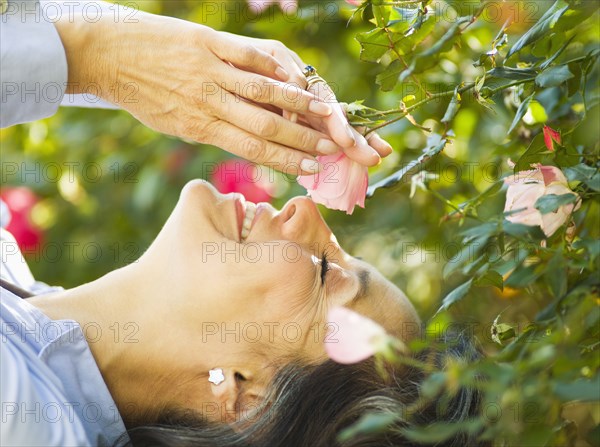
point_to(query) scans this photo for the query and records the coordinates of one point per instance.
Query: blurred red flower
(243, 177)
(20, 201)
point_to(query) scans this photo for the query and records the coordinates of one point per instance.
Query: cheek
(284, 279)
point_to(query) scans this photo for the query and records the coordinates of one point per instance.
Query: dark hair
(311, 405)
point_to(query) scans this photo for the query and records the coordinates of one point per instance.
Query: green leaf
(501, 331)
(381, 14)
(586, 174)
(425, 29)
(368, 423)
(453, 107)
(548, 62)
(556, 275)
(520, 112)
(456, 295)
(402, 19)
(523, 276)
(516, 74)
(435, 144)
(552, 202)
(490, 278)
(426, 58)
(388, 78)
(541, 28)
(374, 44)
(579, 390)
(438, 432)
(433, 385)
(533, 154)
(554, 76)
(486, 229)
(446, 42)
(519, 230)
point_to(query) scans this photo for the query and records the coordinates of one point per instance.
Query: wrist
(89, 47)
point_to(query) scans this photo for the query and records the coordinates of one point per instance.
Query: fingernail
(325, 146)
(294, 117)
(311, 166)
(350, 134)
(385, 147)
(282, 74)
(319, 108)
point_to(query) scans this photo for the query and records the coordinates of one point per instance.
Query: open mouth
(249, 214)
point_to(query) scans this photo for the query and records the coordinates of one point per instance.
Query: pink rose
(354, 338)
(259, 6)
(526, 187)
(341, 184)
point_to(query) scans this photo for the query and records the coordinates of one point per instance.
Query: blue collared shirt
(51, 390)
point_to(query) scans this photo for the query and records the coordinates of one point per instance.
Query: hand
(367, 151)
(196, 83)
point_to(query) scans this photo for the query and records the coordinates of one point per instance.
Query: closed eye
(324, 268)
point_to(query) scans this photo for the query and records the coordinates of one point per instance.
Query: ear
(238, 395)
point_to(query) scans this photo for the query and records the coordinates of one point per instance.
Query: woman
(220, 320)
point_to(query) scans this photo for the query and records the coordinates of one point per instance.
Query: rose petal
(341, 184)
(354, 337)
(552, 174)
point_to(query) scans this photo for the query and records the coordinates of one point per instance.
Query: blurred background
(98, 185)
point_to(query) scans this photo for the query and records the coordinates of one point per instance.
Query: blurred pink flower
(354, 2)
(19, 202)
(526, 187)
(354, 338)
(551, 136)
(244, 177)
(341, 184)
(259, 6)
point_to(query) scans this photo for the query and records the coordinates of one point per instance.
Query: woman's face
(250, 281)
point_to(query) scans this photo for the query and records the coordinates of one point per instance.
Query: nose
(303, 223)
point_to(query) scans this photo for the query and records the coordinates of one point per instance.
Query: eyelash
(324, 267)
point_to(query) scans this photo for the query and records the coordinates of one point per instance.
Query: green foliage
(551, 359)
(458, 90)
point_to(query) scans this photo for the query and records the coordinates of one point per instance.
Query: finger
(382, 147)
(260, 89)
(248, 57)
(258, 150)
(361, 152)
(291, 116)
(294, 65)
(335, 125)
(272, 127)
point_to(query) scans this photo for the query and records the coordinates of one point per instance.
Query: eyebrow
(364, 277)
